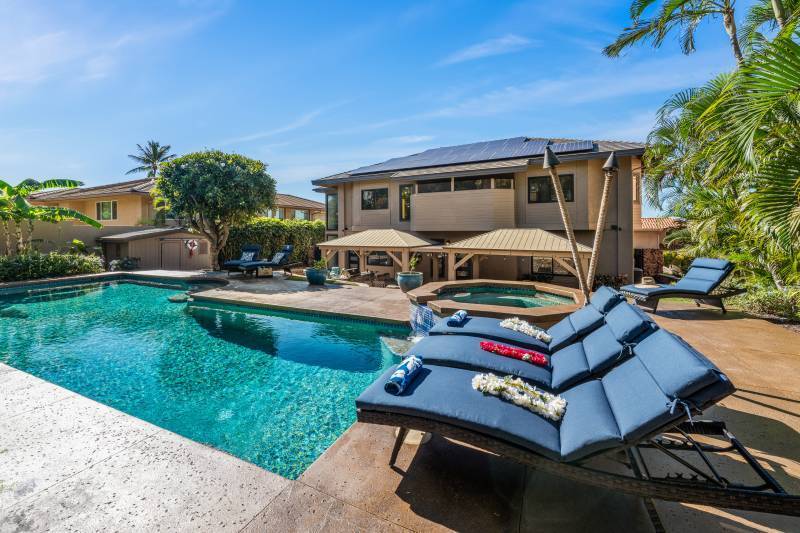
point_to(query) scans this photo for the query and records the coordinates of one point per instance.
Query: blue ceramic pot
(316, 276)
(408, 281)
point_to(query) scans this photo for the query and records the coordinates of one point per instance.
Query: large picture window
(277, 212)
(433, 186)
(379, 259)
(301, 214)
(372, 199)
(540, 189)
(107, 210)
(405, 201)
(332, 211)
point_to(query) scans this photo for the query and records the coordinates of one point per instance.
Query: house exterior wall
(132, 209)
(149, 252)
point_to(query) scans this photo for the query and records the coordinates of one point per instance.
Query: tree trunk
(599, 229)
(730, 28)
(30, 233)
(780, 16)
(570, 233)
(8, 237)
(772, 268)
(20, 243)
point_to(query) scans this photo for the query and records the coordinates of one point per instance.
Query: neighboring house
(446, 195)
(650, 232)
(288, 206)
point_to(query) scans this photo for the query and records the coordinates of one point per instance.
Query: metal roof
(453, 158)
(290, 200)
(142, 234)
(382, 239)
(140, 186)
(533, 240)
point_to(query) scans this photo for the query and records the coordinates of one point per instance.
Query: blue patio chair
(569, 329)
(249, 253)
(700, 283)
(281, 259)
(646, 402)
(624, 327)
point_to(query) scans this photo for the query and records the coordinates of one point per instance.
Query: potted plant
(317, 273)
(411, 279)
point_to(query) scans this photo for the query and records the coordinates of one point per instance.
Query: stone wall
(652, 261)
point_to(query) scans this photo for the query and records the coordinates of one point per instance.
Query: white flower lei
(517, 324)
(520, 393)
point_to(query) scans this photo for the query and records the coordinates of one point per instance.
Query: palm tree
(15, 207)
(150, 157)
(683, 15)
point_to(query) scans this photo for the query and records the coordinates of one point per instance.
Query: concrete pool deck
(69, 463)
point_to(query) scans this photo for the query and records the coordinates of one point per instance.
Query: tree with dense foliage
(15, 207)
(212, 191)
(150, 158)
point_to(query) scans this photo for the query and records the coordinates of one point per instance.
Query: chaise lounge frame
(703, 487)
(715, 298)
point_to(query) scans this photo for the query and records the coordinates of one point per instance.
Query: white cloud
(299, 122)
(493, 47)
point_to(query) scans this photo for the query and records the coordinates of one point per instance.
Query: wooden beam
(476, 267)
(406, 258)
(394, 258)
(569, 268)
(451, 266)
(463, 260)
(362, 260)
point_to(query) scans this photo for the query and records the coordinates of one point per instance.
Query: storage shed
(171, 248)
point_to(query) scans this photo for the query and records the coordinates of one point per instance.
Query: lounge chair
(281, 259)
(569, 329)
(699, 283)
(250, 252)
(656, 391)
(625, 326)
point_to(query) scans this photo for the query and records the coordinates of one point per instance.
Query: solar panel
(474, 152)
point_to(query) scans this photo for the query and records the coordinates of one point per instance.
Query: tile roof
(660, 223)
(517, 240)
(451, 158)
(387, 239)
(142, 234)
(140, 186)
(290, 200)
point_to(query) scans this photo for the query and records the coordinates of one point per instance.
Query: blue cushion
(627, 322)
(489, 328)
(588, 425)
(705, 274)
(446, 395)
(677, 367)
(706, 262)
(585, 319)
(604, 298)
(562, 333)
(648, 291)
(569, 366)
(465, 352)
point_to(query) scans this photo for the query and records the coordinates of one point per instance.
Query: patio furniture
(570, 328)
(625, 327)
(645, 403)
(700, 284)
(249, 253)
(279, 260)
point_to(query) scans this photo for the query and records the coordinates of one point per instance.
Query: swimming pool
(273, 388)
(504, 296)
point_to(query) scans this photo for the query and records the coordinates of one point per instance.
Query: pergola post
(451, 266)
(405, 260)
(610, 168)
(476, 266)
(362, 261)
(551, 163)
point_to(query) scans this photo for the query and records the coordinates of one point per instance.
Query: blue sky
(314, 88)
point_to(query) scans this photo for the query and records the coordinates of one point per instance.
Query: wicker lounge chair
(700, 283)
(568, 330)
(646, 402)
(625, 326)
(246, 257)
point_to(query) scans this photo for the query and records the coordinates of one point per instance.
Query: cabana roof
(376, 239)
(515, 241)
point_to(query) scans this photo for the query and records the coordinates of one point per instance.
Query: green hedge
(36, 265)
(271, 234)
(770, 301)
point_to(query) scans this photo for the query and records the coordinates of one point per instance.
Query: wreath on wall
(191, 245)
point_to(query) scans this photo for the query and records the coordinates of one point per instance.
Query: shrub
(678, 259)
(271, 234)
(770, 301)
(35, 265)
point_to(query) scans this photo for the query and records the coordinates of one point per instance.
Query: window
(504, 183)
(352, 260)
(107, 210)
(276, 213)
(332, 211)
(541, 191)
(301, 214)
(405, 201)
(372, 199)
(433, 186)
(471, 184)
(548, 265)
(379, 259)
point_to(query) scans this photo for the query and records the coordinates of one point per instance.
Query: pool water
(505, 296)
(273, 388)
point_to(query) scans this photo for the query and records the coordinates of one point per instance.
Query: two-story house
(446, 195)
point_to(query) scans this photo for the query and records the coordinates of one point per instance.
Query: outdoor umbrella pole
(610, 168)
(551, 163)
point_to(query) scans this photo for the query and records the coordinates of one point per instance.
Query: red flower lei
(529, 356)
